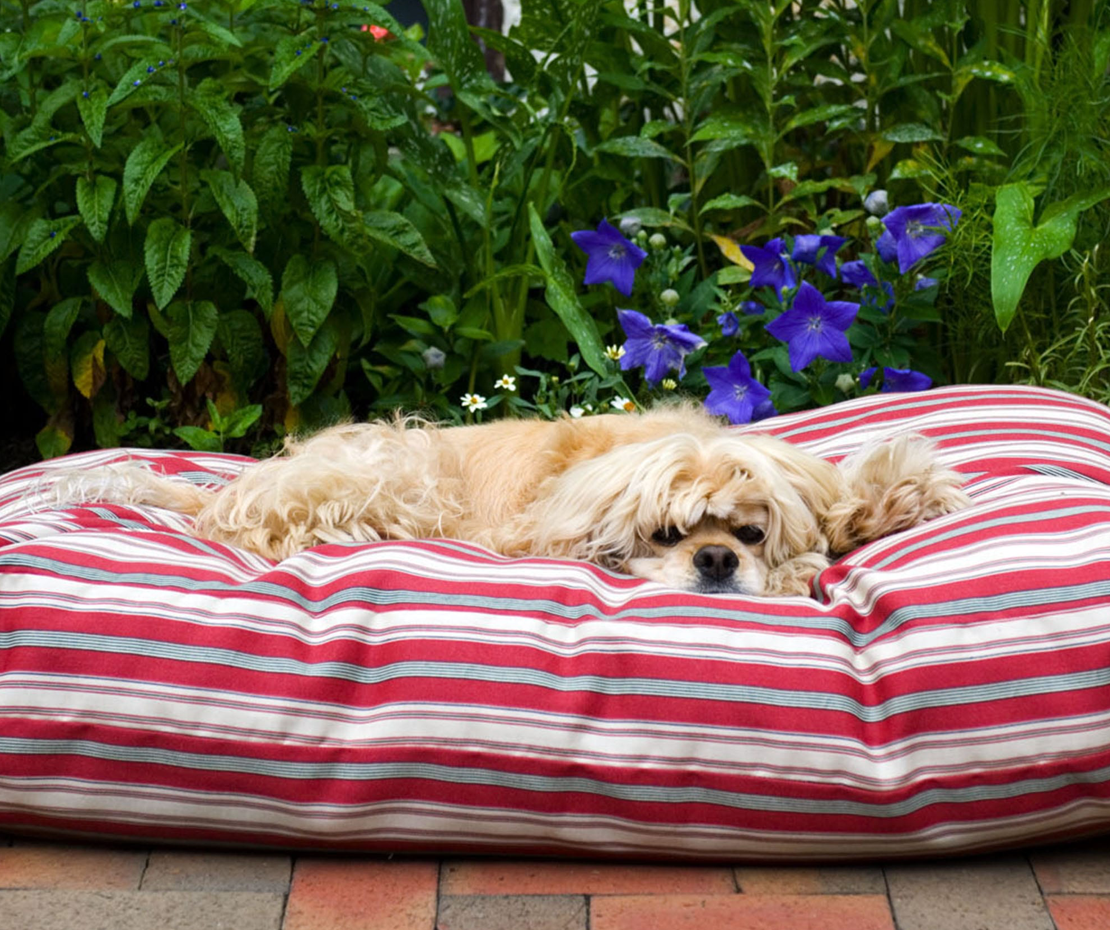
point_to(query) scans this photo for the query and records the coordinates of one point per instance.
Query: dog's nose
(716, 563)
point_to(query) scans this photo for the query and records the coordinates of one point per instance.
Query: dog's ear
(890, 487)
(818, 483)
(604, 509)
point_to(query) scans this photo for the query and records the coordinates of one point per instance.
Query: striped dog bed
(947, 689)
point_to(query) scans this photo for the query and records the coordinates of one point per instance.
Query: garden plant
(224, 220)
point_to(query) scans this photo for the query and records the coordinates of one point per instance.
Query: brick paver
(65, 866)
(1080, 912)
(1083, 868)
(60, 886)
(498, 877)
(213, 871)
(139, 910)
(363, 894)
(803, 880)
(513, 912)
(999, 894)
(740, 912)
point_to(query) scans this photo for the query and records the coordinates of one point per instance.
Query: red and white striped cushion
(948, 691)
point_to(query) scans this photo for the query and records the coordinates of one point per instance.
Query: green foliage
(256, 204)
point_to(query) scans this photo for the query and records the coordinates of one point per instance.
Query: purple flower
(819, 251)
(735, 393)
(887, 248)
(923, 283)
(657, 347)
(610, 257)
(771, 267)
(729, 323)
(752, 307)
(917, 231)
(814, 326)
(897, 379)
(857, 274)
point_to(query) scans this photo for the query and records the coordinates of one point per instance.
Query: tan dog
(670, 495)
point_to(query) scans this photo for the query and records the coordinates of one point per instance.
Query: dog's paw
(890, 488)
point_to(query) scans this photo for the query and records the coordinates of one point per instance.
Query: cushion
(946, 690)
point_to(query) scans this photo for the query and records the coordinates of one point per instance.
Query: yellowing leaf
(880, 148)
(731, 251)
(88, 367)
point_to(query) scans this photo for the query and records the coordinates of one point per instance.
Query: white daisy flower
(576, 411)
(505, 383)
(623, 403)
(614, 352)
(473, 402)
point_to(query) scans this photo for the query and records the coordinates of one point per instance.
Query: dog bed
(947, 689)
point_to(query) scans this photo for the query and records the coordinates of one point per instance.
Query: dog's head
(705, 512)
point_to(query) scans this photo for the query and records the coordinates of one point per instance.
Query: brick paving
(61, 885)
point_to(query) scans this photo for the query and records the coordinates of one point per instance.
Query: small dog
(670, 495)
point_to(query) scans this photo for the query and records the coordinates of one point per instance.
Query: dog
(670, 495)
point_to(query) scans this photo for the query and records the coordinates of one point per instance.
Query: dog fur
(669, 495)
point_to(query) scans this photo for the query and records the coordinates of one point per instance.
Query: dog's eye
(750, 535)
(669, 536)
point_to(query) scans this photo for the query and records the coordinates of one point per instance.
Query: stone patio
(61, 885)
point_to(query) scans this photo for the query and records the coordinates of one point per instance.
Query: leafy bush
(223, 221)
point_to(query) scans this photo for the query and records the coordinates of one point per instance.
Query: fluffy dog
(668, 495)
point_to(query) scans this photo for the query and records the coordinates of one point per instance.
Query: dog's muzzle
(716, 564)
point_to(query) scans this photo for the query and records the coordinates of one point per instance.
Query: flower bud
(657, 241)
(877, 203)
(630, 225)
(669, 297)
(434, 357)
(845, 383)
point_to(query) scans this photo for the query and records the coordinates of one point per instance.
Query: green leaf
(730, 202)
(562, 299)
(43, 237)
(219, 33)
(653, 217)
(210, 102)
(199, 440)
(1019, 246)
(308, 291)
(980, 145)
(115, 282)
(7, 293)
(52, 441)
(394, 230)
(144, 164)
(635, 147)
(55, 331)
(330, 192)
(129, 341)
(306, 364)
(241, 420)
(290, 55)
(14, 223)
(822, 114)
(260, 284)
(166, 251)
(270, 170)
(192, 327)
(93, 110)
(441, 310)
(238, 203)
(138, 75)
(241, 338)
(94, 201)
(912, 132)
